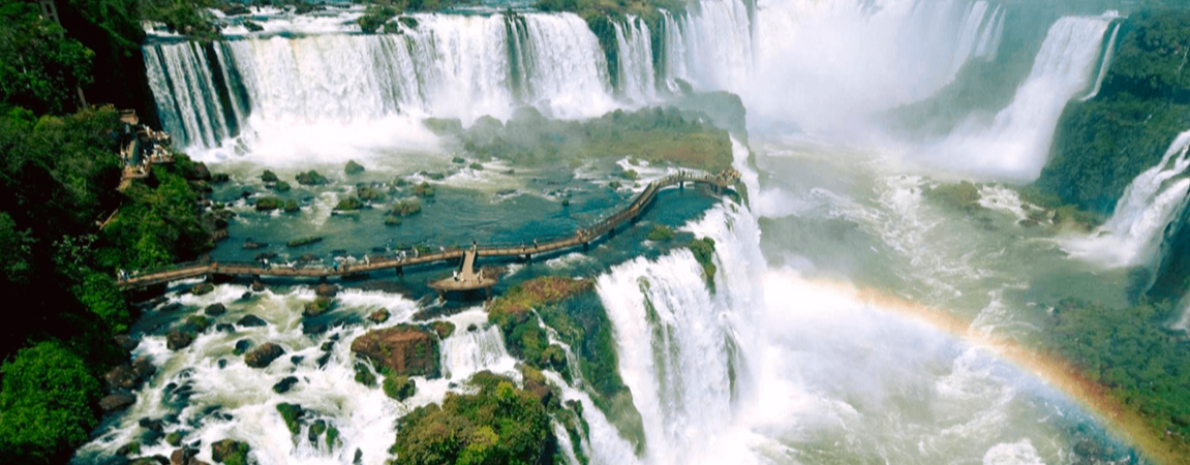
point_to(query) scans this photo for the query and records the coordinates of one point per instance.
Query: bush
(661, 233)
(101, 296)
(399, 388)
(45, 405)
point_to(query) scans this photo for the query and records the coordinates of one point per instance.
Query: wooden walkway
(582, 238)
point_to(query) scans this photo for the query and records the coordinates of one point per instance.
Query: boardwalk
(580, 239)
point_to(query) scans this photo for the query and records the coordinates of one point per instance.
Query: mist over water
(786, 358)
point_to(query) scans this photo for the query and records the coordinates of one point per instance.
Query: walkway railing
(581, 237)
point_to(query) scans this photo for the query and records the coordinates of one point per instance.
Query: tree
(46, 405)
(39, 67)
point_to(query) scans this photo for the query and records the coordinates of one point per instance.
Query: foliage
(351, 203)
(311, 178)
(364, 375)
(661, 136)
(291, 414)
(99, 294)
(704, 252)
(399, 388)
(187, 17)
(1129, 352)
(268, 203)
(405, 208)
(46, 406)
(499, 425)
(423, 190)
(660, 233)
(39, 67)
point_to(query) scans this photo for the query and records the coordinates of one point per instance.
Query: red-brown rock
(403, 350)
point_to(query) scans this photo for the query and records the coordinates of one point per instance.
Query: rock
(220, 178)
(121, 377)
(202, 289)
(311, 178)
(292, 414)
(225, 327)
(126, 342)
(132, 448)
(266, 204)
(154, 460)
(281, 186)
(152, 425)
(471, 328)
(178, 340)
(292, 207)
(222, 363)
(316, 430)
(269, 176)
(230, 452)
(443, 328)
(326, 290)
(353, 167)
(296, 359)
(242, 346)
(247, 295)
(200, 172)
(183, 456)
(364, 376)
(215, 310)
(257, 286)
(143, 368)
(264, 355)
(349, 204)
(379, 316)
(173, 439)
(285, 384)
(249, 244)
(399, 388)
(403, 350)
(319, 306)
(251, 321)
(118, 401)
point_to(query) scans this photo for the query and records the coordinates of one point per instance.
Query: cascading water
(635, 53)
(1144, 215)
(1015, 145)
(1105, 65)
(446, 66)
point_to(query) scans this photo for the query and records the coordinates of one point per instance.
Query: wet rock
(257, 286)
(359, 457)
(173, 439)
(269, 176)
(118, 401)
(292, 414)
(242, 346)
(225, 327)
(403, 350)
(353, 167)
(443, 328)
(471, 328)
(322, 360)
(143, 368)
(215, 310)
(326, 290)
(316, 430)
(230, 452)
(319, 306)
(222, 363)
(250, 321)
(296, 359)
(399, 388)
(247, 295)
(202, 289)
(249, 244)
(126, 342)
(121, 377)
(379, 316)
(154, 460)
(264, 355)
(184, 456)
(285, 384)
(178, 340)
(151, 424)
(311, 178)
(171, 307)
(132, 448)
(313, 328)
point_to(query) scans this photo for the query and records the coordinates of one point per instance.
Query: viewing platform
(466, 278)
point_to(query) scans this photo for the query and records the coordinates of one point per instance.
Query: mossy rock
(252, 27)
(349, 204)
(173, 439)
(317, 429)
(303, 241)
(477, 166)
(242, 346)
(264, 355)
(281, 186)
(353, 167)
(704, 252)
(229, 452)
(364, 375)
(424, 190)
(285, 385)
(392, 221)
(319, 306)
(311, 178)
(368, 193)
(292, 415)
(269, 177)
(408, 21)
(399, 388)
(266, 204)
(198, 322)
(443, 328)
(661, 233)
(292, 206)
(459, 160)
(220, 178)
(405, 208)
(202, 289)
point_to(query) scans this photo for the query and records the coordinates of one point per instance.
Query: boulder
(379, 316)
(251, 321)
(269, 204)
(143, 368)
(215, 310)
(292, 207)
(230, 452)
(264, 355)
(311, 178)
(242, 346)
(319, 306)
(202, 289)
(225, 327)
(443, 328)
(118, 401)
(178, 340)
(284, 385)
(121, 377)
(269, 176)
(404, 350)
(185, 456)
(326, 290)
(257, 286)
(132, 448)
(353, 167)
(126, 342)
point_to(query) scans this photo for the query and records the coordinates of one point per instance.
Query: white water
(186, 96)
(635, 54)
(1135, 233)
(1015, 144)
(1103, 67)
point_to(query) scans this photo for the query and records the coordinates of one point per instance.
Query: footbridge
(466, 278)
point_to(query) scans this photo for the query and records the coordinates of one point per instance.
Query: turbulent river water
(789, 359)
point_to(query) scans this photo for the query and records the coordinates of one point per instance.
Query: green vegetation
(311, 178)
(443, 328)
(364, 375)
(423, 190)
(405, 208)
(661, 136)
(320, 305)
(704, 252)
(46, 404)
(269, 177)
(661, 233)
(573, 309)
(267, 204)
(349, 204)
(291, 206)
(500, 424)
(281, 186)
(1103, 144)
(1131, 354)
(292, 415)
(381, 11)
(229, 452)
(399, 388)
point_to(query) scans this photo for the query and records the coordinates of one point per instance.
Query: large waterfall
(1015, 144)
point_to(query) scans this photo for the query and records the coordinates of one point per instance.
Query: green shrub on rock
(661, 233)
(399, 388)
(45, 404)
(229, 452)
(291, 414)
(311, 178)
(266, 204)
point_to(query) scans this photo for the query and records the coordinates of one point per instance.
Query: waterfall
(1144, 216)
(673, 52)
(447, 66)
(190, 98)
(635, 55)
(1016, 143)
(716, 44)
(989, 43)
(1105, 65)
